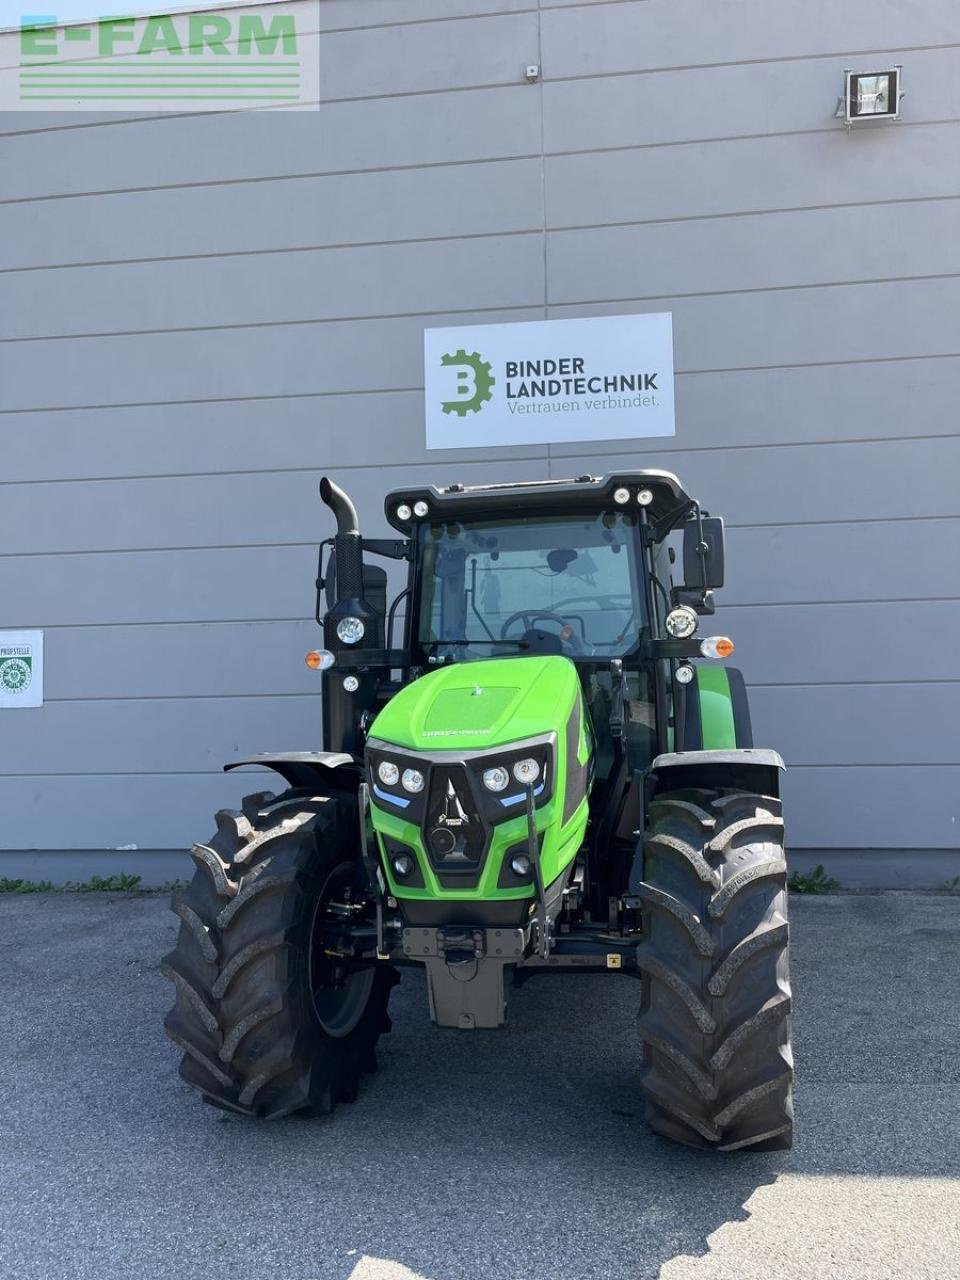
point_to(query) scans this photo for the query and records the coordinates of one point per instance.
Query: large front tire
(266, 1025)
(715, 1013)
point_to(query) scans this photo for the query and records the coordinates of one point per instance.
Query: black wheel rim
(339, 999)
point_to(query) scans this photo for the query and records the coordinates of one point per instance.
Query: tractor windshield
(570, 585)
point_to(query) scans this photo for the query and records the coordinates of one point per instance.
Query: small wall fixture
(870, 95)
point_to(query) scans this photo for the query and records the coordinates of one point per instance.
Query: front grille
(452, 828)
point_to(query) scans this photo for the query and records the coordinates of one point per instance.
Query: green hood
(473, 705)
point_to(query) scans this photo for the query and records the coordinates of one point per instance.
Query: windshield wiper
(522, 644)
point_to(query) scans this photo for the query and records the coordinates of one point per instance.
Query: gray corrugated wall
(202, 314)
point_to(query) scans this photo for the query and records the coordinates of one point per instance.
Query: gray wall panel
(168, 811)
(134, 736)
(769, 99)
(909, 724)
(908, 560)
(650, 34)
(768, 251)
(204, 660)
(259, 583)
(399, 204)
(914, 807)
(750, 252)
(841, 643)
(747, 174)
(427, 57)
(381, 132)
(321, 284)
(345, 15)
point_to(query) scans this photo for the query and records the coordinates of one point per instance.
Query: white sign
(546, 381)
(21, 669)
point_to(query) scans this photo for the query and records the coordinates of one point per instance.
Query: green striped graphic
(104, 79)
(168, 97)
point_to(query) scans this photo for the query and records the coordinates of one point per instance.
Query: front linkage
(466, 963)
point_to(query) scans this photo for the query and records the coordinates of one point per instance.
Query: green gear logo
(474, 380)
(15, 675)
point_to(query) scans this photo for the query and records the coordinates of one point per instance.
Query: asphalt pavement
(513, 1155)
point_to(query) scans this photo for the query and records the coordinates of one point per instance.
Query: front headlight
(388, 773)
(681, 622)
(526, 771)
(496, 779)
(412, 780)
(350, 630)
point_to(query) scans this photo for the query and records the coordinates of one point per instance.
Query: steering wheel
(528, 617)
(616, 600)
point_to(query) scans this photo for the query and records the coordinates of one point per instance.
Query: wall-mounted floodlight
(870, 95)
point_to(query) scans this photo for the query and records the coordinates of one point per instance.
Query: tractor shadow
(523, 1152)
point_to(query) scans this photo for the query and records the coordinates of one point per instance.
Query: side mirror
(703, 563)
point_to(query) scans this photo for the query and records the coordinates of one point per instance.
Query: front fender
(323, 771)
(715, 713)
(754, 769)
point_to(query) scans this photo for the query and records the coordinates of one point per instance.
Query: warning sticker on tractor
(21, 669)
(547, 381)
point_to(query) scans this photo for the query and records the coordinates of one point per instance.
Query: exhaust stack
(347, 544)
(352, 625)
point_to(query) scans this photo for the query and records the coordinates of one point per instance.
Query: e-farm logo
(16, 671)
(249, 58)
(474, 379)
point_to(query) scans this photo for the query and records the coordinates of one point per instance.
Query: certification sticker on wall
(21, 669)
(547, 381)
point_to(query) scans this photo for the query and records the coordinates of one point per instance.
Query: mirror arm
(702, 550)
(666, 524)
(321, 581)
(391, 548)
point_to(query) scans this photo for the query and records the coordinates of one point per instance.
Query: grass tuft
(25, 886)
(121, 883)
(815, 881)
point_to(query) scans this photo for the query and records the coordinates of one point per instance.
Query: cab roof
(528, 497)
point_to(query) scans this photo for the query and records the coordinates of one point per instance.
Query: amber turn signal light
(319, 659)
(716, 646)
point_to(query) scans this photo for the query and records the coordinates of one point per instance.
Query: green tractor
(542, 777)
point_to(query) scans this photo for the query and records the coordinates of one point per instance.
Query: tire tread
(715, 1014)
(243, 1018)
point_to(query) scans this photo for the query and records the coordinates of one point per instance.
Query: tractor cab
(580, 569)
(583, 568)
